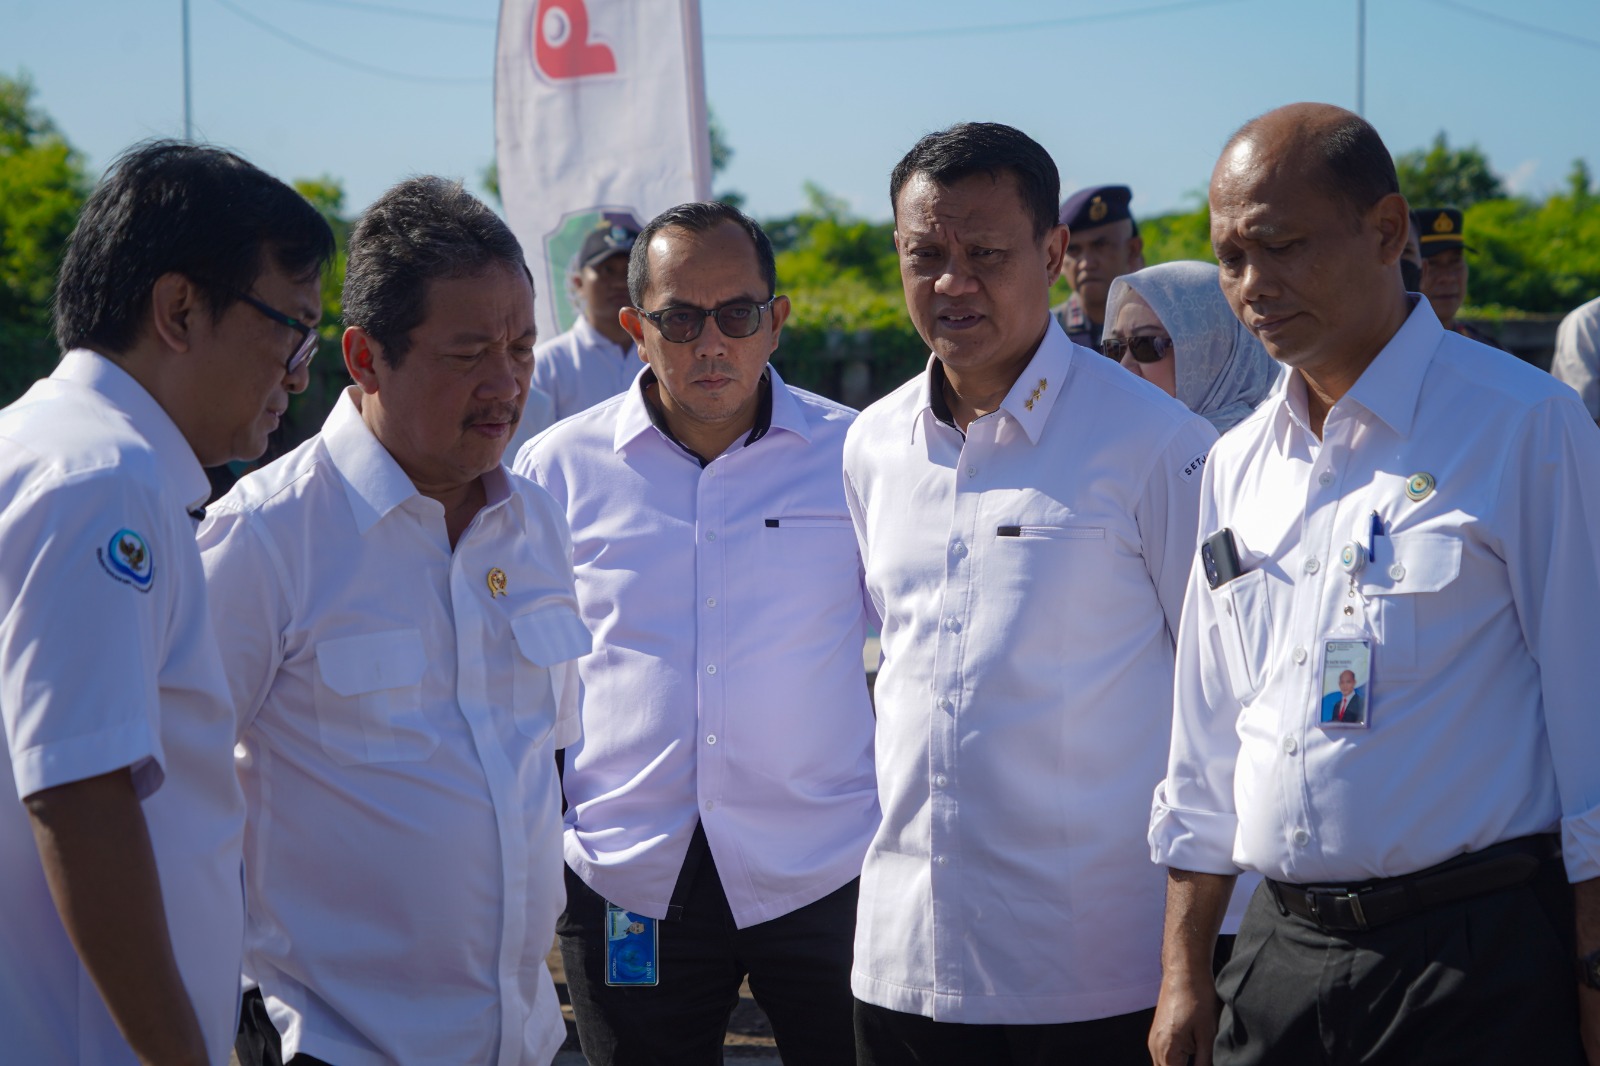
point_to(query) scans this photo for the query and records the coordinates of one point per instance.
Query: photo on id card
(1346, 683)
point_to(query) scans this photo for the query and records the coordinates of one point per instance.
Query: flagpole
(188, 122)
(1361, 58)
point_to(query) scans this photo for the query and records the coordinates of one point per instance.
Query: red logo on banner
(561, 45)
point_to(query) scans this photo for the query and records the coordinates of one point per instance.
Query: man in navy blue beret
(1104, 245)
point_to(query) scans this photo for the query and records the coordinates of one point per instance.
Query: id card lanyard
(1345, 686)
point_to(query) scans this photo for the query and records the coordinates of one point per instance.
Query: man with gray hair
(397, 619)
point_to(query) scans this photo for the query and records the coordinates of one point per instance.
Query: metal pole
(1360, 58)
(188, 122)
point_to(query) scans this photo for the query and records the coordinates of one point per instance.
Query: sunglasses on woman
(1144, 349)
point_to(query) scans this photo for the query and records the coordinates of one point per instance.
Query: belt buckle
(1356, 911)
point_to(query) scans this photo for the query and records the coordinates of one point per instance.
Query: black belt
(1365, 905)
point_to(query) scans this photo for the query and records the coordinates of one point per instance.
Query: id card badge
(630, 948)
(1346, 700)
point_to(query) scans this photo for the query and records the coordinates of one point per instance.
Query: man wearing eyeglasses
(397, 617)
(120, 905)
(723, 795)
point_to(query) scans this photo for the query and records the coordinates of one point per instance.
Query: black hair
(171, 207)
(991, 148)
(699, 217)
(421, 230)
(1345, 158)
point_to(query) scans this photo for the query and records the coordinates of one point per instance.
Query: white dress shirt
(1483, 603)
(1577, 357)
(398, 719)
(726, 685)
(581, 367)
(107, 661)
(1030, 577)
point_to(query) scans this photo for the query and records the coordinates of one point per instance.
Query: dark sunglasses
(308, 335)
(1144, 349)
(682, 323)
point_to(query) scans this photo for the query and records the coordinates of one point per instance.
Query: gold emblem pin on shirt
(1419, 487)
(497, 582)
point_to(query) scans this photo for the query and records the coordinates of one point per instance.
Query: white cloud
(1517, 182)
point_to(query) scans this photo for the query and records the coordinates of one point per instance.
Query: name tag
(1346, 701)
(631, 947)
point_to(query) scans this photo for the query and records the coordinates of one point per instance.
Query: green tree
(42, 188)
(1441, 176)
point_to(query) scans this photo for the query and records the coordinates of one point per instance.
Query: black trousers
(1483, 980)
(798, 966)
(893, 1038)
(257, 1043)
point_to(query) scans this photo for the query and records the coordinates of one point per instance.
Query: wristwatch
(1589, 970)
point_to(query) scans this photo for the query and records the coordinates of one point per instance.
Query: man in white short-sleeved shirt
(723, 790)
(397, 617)
(1026, 515)
(119, 868)
(595, 359)
(1577, 357)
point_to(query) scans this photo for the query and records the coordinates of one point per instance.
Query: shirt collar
(185, 478)
(1390, 386)
(1032, 395)
(591, 337)
(373, 482)
(774, 407)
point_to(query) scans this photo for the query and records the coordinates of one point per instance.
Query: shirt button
(1326, 478)
(711, 536)
(1397, 571)
(712, 739)
(1301, 837)
(711, 668)
(942, 703)
(940, 780)
(941, 860)
(959, 548)
(711, 601)
(1289, 745)
(1311, 566)
(972, 471)
(953, 624)
(1299, 655)
(711, 805)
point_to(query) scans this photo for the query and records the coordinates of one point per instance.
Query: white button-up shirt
(107, 661)
(726, 685)
(1483, 603)
(581, 367)
(1030, 577)
(399, 705)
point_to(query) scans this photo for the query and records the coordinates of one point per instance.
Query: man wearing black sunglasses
(722, 797)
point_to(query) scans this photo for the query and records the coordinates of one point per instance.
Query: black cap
(1439, 229)
(613, 235)
(1098, 205)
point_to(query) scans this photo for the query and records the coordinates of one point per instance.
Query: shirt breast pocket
(369, 698)
(545, 638)
(1244, 627)
(1406, 597)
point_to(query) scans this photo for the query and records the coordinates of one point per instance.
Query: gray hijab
(1222, 371)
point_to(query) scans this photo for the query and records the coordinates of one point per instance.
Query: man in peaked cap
(1444, 267)
(1103, 245)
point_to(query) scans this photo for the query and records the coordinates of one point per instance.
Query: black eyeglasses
(682, 323)
(1144, 349)
(308, 335)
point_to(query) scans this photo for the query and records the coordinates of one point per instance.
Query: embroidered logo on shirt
(126, 557)
(1193, 467)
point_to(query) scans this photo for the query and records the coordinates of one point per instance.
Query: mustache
(500, 412)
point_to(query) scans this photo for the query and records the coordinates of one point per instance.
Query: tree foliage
(1441, 176)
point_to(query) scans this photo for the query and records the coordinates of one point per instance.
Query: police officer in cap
(1444, 267)
(1103, 245)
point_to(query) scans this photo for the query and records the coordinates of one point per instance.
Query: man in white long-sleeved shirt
(1415, 509)
(1026, 516)
(396, 613)
(723, 794)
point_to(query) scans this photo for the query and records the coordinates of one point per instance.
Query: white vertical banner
(600, 114)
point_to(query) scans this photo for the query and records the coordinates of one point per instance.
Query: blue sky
(834, 91)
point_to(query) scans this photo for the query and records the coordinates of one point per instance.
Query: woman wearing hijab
(1171, 325)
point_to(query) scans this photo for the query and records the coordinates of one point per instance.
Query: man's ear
(630, 321)
(1392, 217)
(1136, 253)
(361, 355)
(175, 308)
(778, 313)
(1055, 249)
